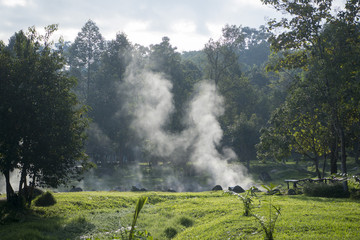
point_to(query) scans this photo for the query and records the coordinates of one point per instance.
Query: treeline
(236, 62)
(320, 116)
(285, 95)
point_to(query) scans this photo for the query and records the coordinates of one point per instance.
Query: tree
(222, 54)
(41, 125)
(256, 48)
(325, 47)
(106, 102)
(165, 59)
(85, 54)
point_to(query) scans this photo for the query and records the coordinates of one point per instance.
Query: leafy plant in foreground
(268, 224)
(247, 200)
(141, 235)
(271, 189)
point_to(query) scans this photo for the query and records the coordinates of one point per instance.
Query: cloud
(145, 22)
(14, 3)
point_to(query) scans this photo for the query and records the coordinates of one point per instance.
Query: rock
(264, 176)
(117, 188)
(217, 188)
(75, 189)
(291, 192)
(136, 189)
(237, 189)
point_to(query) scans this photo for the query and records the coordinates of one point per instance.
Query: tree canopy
(42, 124)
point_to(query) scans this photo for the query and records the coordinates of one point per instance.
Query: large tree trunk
(356, 151)
(343, 157)
(316, 161)
(324, 165)
(9, 190)
(30, 190)
(333, 157)
(22, 183)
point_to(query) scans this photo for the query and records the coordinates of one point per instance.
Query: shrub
(170, 232)
(186, 222)
(268, 223)
(331, 190)
(354, 187)
(248, 202)
(45, 199)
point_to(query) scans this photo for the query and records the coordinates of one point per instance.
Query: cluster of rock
(75, 189)
(136, 189)
(236, 189)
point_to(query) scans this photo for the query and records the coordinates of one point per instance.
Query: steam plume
(150, 99)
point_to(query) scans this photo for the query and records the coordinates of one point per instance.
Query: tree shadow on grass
(324, 199)
(28, 224)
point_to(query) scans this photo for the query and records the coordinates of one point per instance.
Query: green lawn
(206, 215)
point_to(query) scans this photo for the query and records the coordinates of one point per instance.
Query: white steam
(150, 100)
(205, 109)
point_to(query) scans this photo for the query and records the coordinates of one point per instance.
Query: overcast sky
(188, 23)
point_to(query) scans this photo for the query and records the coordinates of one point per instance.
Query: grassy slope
(215, 215)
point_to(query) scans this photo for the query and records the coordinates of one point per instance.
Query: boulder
(237, 189)
(136, 189)
(217, 188)
(75, 189)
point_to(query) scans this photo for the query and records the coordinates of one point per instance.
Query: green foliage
(271, 189)
(139, 205)
(329, 190)
(44, 200)
(247, 200)
(84, 57)
(42, 124)
(354, 187)
(268, 224)
(322, 48)
(170, 232)
(186, 221)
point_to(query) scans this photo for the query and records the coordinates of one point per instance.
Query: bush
(354, 187)
(186, 222)
(331, 190)
(45, 199)
(170, 232)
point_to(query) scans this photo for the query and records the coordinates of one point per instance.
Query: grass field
(205, 215)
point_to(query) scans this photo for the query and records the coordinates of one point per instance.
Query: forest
(292, 95)
(202, 140)
(187, 119)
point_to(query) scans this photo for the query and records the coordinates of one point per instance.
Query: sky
(188, 23)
